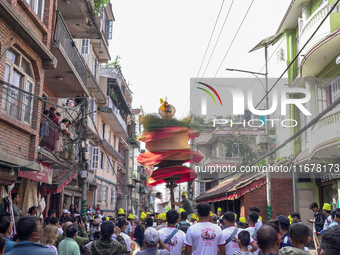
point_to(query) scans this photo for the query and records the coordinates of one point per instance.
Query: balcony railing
(117, 114)
(313, 22)
(56, 140)
(63, 36)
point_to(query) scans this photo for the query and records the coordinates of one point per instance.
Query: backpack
(184, 227)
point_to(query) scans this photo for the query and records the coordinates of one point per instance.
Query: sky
(162, 43)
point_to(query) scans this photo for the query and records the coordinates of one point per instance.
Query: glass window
(5, 88)
(37, 6)
(85, 46)
(18, 72)
(26, 67)
(13, 56)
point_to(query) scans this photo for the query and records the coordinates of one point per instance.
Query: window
(109, 29)
(234, 151)
(323, 96)
(102, 160)
(328, 94)
(102, 193)
(113, 196)
(108, 165)
(38, 7)
(92, 110)
(103, 21)
(19, 73)
(103, 129)
(94, 66)
(94, 157)
(85, 46)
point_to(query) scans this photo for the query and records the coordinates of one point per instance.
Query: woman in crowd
(53, 115)
(33, 211)
(72, 210)
(49, 238)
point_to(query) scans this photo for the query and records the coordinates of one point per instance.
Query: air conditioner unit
(261, 139)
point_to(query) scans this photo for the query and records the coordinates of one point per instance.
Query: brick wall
(17, 138)
(282, 194)
(257, 197)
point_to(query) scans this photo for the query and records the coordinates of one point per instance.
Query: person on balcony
(64, 124)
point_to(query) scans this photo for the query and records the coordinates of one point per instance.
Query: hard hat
(235, 216)
(290, 219)
(326, 207)
(193, 216)
(211, 214)
(243, 220)
(181, 210)
(162, 216)
(142, 216)
(184, 193)
(121, 211)
(148, 213)
(131, 217)
(219, 209)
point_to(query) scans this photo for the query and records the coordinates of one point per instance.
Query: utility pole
(269, 183)
(83, 158)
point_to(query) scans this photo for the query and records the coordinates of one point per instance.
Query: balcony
(70, 77)
(323, 47)
(57, 148)
(113, 117)
(133, 142)
(111, 150)
(136, 176)
(80, 18)
(323, 141)
(331, 23)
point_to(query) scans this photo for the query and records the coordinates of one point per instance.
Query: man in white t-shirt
(170, 235)
(204, 237)
(252, 219)
(230, 234)
(159, 204)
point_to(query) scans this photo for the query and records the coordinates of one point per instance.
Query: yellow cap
(197, 219)
(193, 216)
(326, 207)
(235, 216)
(162, 216)
(211, 214)
(243, 220)
(184, 193)
(121, 211)
(148, 213)
(219, 209)
(107, 218)
(131, 217)
(181, 210)
(260, 217)
(142, 216)
(290, 219)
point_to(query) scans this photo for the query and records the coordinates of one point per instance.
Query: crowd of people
(172, 232)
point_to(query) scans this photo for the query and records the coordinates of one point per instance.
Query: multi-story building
(40, 67)
(317, 70)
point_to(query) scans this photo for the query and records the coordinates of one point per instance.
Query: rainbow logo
(209, 93)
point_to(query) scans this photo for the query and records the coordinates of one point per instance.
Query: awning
(233, 188)
(61, 187)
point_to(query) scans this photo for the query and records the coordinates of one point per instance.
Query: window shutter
(95, 158)
(112, 196)
(104, 193)
(99, 193)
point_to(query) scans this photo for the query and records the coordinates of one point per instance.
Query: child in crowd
(298, 236)
(243, 242)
